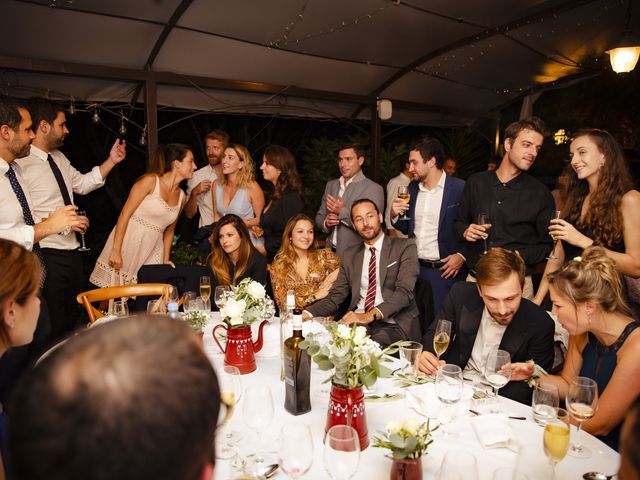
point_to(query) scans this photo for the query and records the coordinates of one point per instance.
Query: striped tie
(370, 301)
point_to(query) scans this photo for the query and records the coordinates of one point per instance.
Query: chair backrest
(108, 293)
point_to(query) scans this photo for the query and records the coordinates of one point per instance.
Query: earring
(11, 325)
(589, 318)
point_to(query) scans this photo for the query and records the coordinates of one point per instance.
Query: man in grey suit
(333, 217)
(380, 275)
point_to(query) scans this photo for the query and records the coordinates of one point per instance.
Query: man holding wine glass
(52, 181)
(488, 316)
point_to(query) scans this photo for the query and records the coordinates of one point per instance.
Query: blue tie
(26, 213)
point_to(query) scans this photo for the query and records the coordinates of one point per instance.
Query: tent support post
(376, 124)
(151, 116)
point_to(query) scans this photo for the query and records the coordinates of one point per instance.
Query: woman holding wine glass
(588, 297)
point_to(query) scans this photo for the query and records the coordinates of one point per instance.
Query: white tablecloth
(373, 463)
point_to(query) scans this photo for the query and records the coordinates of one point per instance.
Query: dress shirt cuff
(96, 176)
(379, 315)
(463, 257)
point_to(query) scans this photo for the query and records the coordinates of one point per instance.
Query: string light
(95, 118)
(72, 107)
(123, 129)
(143, 137)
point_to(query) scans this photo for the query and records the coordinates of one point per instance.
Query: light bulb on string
(143, 137)
(72, 107)
(95, 118)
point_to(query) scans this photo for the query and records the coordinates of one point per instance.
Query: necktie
(59, 180)
(370, 300)
(26, 213)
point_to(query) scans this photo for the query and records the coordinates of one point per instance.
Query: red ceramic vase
(239, 350)
(406, 469)
(346, 407)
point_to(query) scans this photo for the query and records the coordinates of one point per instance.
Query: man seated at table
(379, 275)
(489, 315)
(135, 398)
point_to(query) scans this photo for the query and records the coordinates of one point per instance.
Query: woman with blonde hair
(237, 192)
(604, 344)
(300, 266)
(601, 207)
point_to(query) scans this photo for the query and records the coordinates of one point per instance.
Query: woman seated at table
(604, 343)
(279, 168)
(236, 191)
(601, 207)
(630, 444)
(302, 267)
(233, 257)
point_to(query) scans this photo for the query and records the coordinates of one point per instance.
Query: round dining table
(457, 434)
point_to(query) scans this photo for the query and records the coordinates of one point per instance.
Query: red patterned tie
(370, 301)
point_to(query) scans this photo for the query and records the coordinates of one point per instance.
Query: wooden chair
(109, 293)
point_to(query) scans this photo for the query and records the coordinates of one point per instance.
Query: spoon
(268, 471)
(597, 476)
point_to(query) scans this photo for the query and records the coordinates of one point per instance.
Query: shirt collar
(377, 245)
(4, 166)
(41, 154)
(439, 185)
(514, 181)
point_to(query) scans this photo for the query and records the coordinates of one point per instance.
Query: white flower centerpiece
(246, 303)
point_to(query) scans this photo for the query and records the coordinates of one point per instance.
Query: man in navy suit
(431, 215)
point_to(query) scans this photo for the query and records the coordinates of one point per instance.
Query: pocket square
(392, 264)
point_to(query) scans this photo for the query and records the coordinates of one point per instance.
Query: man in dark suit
(380, 275)
(333, 216)
(431, 216)
(489, 315)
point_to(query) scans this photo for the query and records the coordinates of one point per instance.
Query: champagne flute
(556, 215)
(219, 294)
(205, 290)
(582, 403)
(84, 247)
(295, 449)
(257, 411)
(410, 355)
(449, 389)
(544, 403)
(498, 370)
(341, 452)
(403, 194)
(483, 220)
(230, 382)
(556, 441)
(441, 337)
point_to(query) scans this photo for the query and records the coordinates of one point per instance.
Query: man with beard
(490, 315)
(518, 205)
(200, 184)
(379, 275)
(52, 181)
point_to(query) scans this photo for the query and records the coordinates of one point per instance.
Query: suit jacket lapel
(445, 200)
(515, 334)
(384, 260)
(356, 275)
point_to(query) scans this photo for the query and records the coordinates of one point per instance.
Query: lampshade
(625, 55)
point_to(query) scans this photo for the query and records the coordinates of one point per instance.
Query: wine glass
(483, 220)
(173, 295)
(457, 464)
(219, 294)
(230, 382)
(341, 452)
(556, 441)
(120, 308)
(532, 463)
(441, 337)
(544, 403)
(83, 247)
(582, 402)
(403, 194)
(295, 449)
(257, 411)
(205, 289)
(449, 389)
(556, 215)
(410, 355)
(498, 370)
(188, 297)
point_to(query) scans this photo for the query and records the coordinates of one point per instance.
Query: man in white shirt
(200, 184)
(401, 180)
(490, 315)
(52, 181)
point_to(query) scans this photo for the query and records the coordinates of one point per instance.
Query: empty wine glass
(582, 403)
(498, 370)
(410, 355)
(403, 194)
(295, 449)
(441, 337)
(483, 220)
(230, 382)
(532, 463)
(219, 294)
(83, 247)
(257, 411)
(449, 391)
(341, 452)
(457, 464)
(187, 298)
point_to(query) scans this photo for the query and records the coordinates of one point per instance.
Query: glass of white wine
(441, 337)
(83, 247)
(582, 403)
(230, 382)
(498, 370)
(556, 441)
(205, 290)
(555, 215)
(483, 221)
(403, 194)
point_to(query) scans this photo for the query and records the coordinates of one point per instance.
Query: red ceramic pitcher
(240, 349)
(346, 407)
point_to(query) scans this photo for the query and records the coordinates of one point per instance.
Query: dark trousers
(439, 286)
(64, 281)
(385, 333)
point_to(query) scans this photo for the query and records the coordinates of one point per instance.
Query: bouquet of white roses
(406, 439)
(353, 356)
(246, 303)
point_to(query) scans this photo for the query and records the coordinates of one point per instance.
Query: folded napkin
(105, 319)
(494, 431)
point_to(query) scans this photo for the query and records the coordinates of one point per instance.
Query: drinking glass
(532, 463)
(498, 370)
(120, 308)
(197, 305)
(155, 307)
(403, 194)
(187, 298)
(483, 220)
(449, 389)
(257, 409)
(556, 441)
(555, 215)
(582, 403)
(441, 337)
(341, 452)
(295, 449)
(457, 464)
(173, 295)
(410, 355)
(544, 403)
(83, 247)
(218, 296)
(230, 382)
(205, 289)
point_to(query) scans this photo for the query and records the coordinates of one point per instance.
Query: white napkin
(494, 431)
(105, 319)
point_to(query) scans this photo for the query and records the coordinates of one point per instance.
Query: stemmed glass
(498, 369)
(205, 289)
(403, 194)
(410, 355)
(83, 248)
(556, 215)
(219, 294)
(230, 382)
(341, 452)
(582, 403)
(188, 297)
(295, 449)
(257, 411)
(483, 220)
(556, 441)
(449, 388)
(458, 465)
(441, 337)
